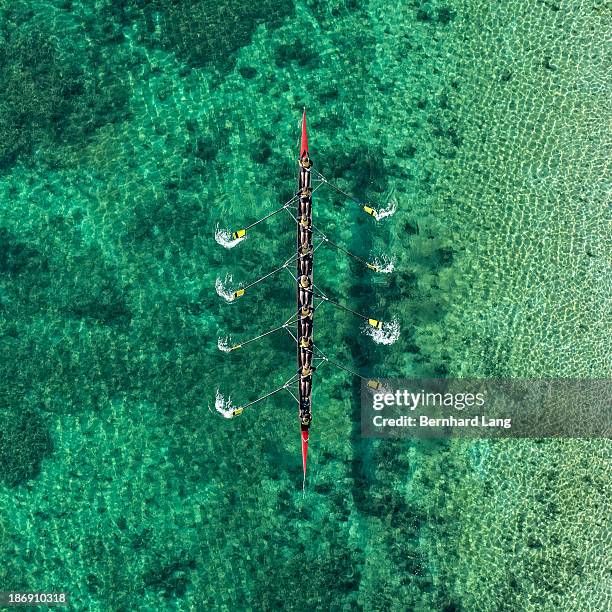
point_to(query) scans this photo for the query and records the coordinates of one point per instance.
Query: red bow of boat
(304, 145)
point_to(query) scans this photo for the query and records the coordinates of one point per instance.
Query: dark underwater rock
(205, 33)
(52, 94)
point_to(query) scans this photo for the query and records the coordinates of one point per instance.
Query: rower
(304, 282)
(305, 162)
(305, 343)
(306, 249)
(305, 312)
(307, 371)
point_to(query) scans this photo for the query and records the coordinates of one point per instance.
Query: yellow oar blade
(370, 211)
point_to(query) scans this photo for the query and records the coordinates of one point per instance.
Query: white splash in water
(224, 344)
(224, 406)
(384, 263)
(389, 333)
(224, 288)
(387, 212)
(224, 238)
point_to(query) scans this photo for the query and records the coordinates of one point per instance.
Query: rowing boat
(310, 358)
(305, 301)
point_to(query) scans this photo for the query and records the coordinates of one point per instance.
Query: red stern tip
(304, 448)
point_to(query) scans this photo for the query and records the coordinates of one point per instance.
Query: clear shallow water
(129, 134)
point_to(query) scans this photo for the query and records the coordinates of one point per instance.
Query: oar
(240, 292)
(364, 205)
(240, 409)
(242, 232)
(326, 240)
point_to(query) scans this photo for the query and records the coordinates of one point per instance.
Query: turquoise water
(130, 132)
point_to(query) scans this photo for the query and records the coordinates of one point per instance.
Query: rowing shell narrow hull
(304, 291)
